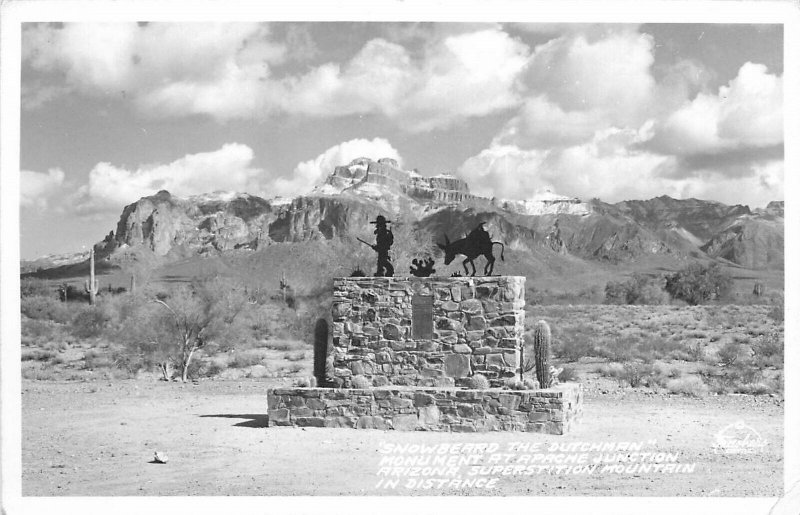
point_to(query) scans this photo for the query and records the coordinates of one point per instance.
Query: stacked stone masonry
(551, 411)
(477, 328)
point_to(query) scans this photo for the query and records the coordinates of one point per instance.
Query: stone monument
(409, 352)
(404, 348)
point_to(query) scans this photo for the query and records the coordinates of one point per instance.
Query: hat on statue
(380, 220)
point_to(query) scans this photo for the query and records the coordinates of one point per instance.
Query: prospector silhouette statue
(383, 242)
(477, 243)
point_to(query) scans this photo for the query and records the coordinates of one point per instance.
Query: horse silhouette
(476, 243)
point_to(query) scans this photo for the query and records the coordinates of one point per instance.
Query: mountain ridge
(354, 194)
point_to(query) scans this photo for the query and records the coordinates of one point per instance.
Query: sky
(112, 112)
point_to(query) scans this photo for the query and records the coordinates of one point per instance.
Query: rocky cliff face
(701, 218)
(752, 242)
(163, 222)
(361, 173)
(354, 194)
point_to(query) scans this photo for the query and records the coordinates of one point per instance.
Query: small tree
(168, 329)
(639, 289)
(697, 284)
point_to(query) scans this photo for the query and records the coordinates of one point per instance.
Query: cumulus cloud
(579, 74)
(166, 68)
(309, 173)
(543, 124)
(614, 166)
(36, 188)
(228, 169)
(605, 167)
(763, 184)
(595, 125)
(460, 76)
(225, 71)
(577, 85)
(748, 112)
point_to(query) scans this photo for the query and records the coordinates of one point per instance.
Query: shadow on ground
(251, 419)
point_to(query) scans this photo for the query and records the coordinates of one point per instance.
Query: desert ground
(99, 438)
(668, 376)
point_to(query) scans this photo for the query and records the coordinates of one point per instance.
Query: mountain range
(354, 194)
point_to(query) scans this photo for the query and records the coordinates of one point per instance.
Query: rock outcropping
(392, 180)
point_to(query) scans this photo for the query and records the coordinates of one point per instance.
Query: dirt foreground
(99, 438)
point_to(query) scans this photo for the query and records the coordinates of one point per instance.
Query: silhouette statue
(422, 267)
(477, 243)
(383, 242)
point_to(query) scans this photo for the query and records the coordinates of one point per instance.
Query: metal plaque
(422, 317)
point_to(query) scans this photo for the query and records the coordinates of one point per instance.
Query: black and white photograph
(488, 257)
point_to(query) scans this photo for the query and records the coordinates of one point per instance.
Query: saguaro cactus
(284, 286)
(91, 286)
(541, 349)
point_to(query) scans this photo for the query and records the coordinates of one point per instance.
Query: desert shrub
(777, 382)
(614, 370)
(730, 353)
(777, 312)
(284, 345)
(40, 329)
(94, 359)
(688, 385)
(680, 355)
(753, 388)
(696, 350)
(656, 346)
(40, 373)
(295, 356)
(37, 355)
(294, 368)
(633, 374)
(660, 368)
(768, 349)
(697, 284)
(33, 287)
(569, 349)
(194, 370)
(620, 349)
(636, 374)
(214, 366)
(130, 363)
(534, 297)
(45, 308)
(246, 358)
(639, 289)
(743, 371)
(741, 338)
(568, 373)
(90, 321)
(59, 345)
